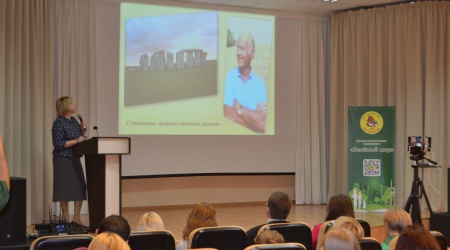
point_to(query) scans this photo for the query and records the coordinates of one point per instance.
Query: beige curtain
(39, 63)
(74, 63)
(312, 121)
(26, 95)
(394, 56)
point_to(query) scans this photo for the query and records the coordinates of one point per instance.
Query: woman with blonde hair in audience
(269, 237)
(150, 222)
(351, 224)
(340, 239)
(108, 241)
(338, 205)
(395, 221)
(416, 237)
(202, 215)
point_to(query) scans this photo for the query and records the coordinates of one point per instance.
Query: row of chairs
(226, 238)
(211, 238)
(222, 238)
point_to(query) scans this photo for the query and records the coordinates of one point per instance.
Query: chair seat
(292, 232)
(278, 246)
(440, 238)
(366, 226)
(368, 243)
(223, 238)
(152, 240)
(61, 242)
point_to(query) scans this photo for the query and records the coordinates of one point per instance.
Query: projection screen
(161, 81)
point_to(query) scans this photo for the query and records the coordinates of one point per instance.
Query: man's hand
(262, 107)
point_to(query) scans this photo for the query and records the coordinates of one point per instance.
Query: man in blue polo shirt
(245, 92)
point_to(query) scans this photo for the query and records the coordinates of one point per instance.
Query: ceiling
(315, 7)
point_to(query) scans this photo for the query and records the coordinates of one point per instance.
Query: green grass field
(145, 87)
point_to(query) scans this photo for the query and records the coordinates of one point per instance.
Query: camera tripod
(417, 191)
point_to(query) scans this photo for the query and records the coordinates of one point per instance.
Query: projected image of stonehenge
(165, 76)
(184, 59)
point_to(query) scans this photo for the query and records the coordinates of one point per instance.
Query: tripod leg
(413, 201)
(415, 212)
(426, 197)
(409, 203)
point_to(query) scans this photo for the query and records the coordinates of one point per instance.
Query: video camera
(419, 147)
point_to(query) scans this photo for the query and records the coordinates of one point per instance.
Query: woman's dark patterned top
(64, 130)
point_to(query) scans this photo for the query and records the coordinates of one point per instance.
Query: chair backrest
(323, 229)
(279, 246)
(441, 239)
(368, 243)
(365, 225)
(223, 238)
(61, 242)
(152, 240)
(292, 232)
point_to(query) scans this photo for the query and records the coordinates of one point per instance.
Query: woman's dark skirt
(68, 179)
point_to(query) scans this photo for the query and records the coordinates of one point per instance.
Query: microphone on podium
(96, 130)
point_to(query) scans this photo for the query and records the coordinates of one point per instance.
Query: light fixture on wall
(331, 1)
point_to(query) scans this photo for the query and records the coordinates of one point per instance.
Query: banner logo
(371, 122)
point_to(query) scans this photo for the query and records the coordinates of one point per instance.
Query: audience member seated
(108, 241)
(395, 220)
(340, 239)
(150, 222)
(202, 215)
(346, 222)
(416, 237)
(269, 237)
(338, 205)
(351, 224)
(277, 210)
(114, 224)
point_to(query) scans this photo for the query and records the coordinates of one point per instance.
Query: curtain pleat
(312, 121)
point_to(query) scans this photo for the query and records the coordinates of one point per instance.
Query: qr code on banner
(371, 167)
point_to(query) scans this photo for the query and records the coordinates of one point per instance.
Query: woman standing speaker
(68, 177)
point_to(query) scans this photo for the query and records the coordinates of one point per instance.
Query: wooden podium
(103, 156)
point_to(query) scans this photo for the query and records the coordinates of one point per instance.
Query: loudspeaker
(13, 218)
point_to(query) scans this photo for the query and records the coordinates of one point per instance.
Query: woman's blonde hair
(340, 239)
(62, 105)
(149, 222)
(108, 241)
(397, 219)
(202, 215)
(350, 224)
(269, 237)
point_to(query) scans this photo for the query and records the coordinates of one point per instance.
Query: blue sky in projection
(172, 33)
